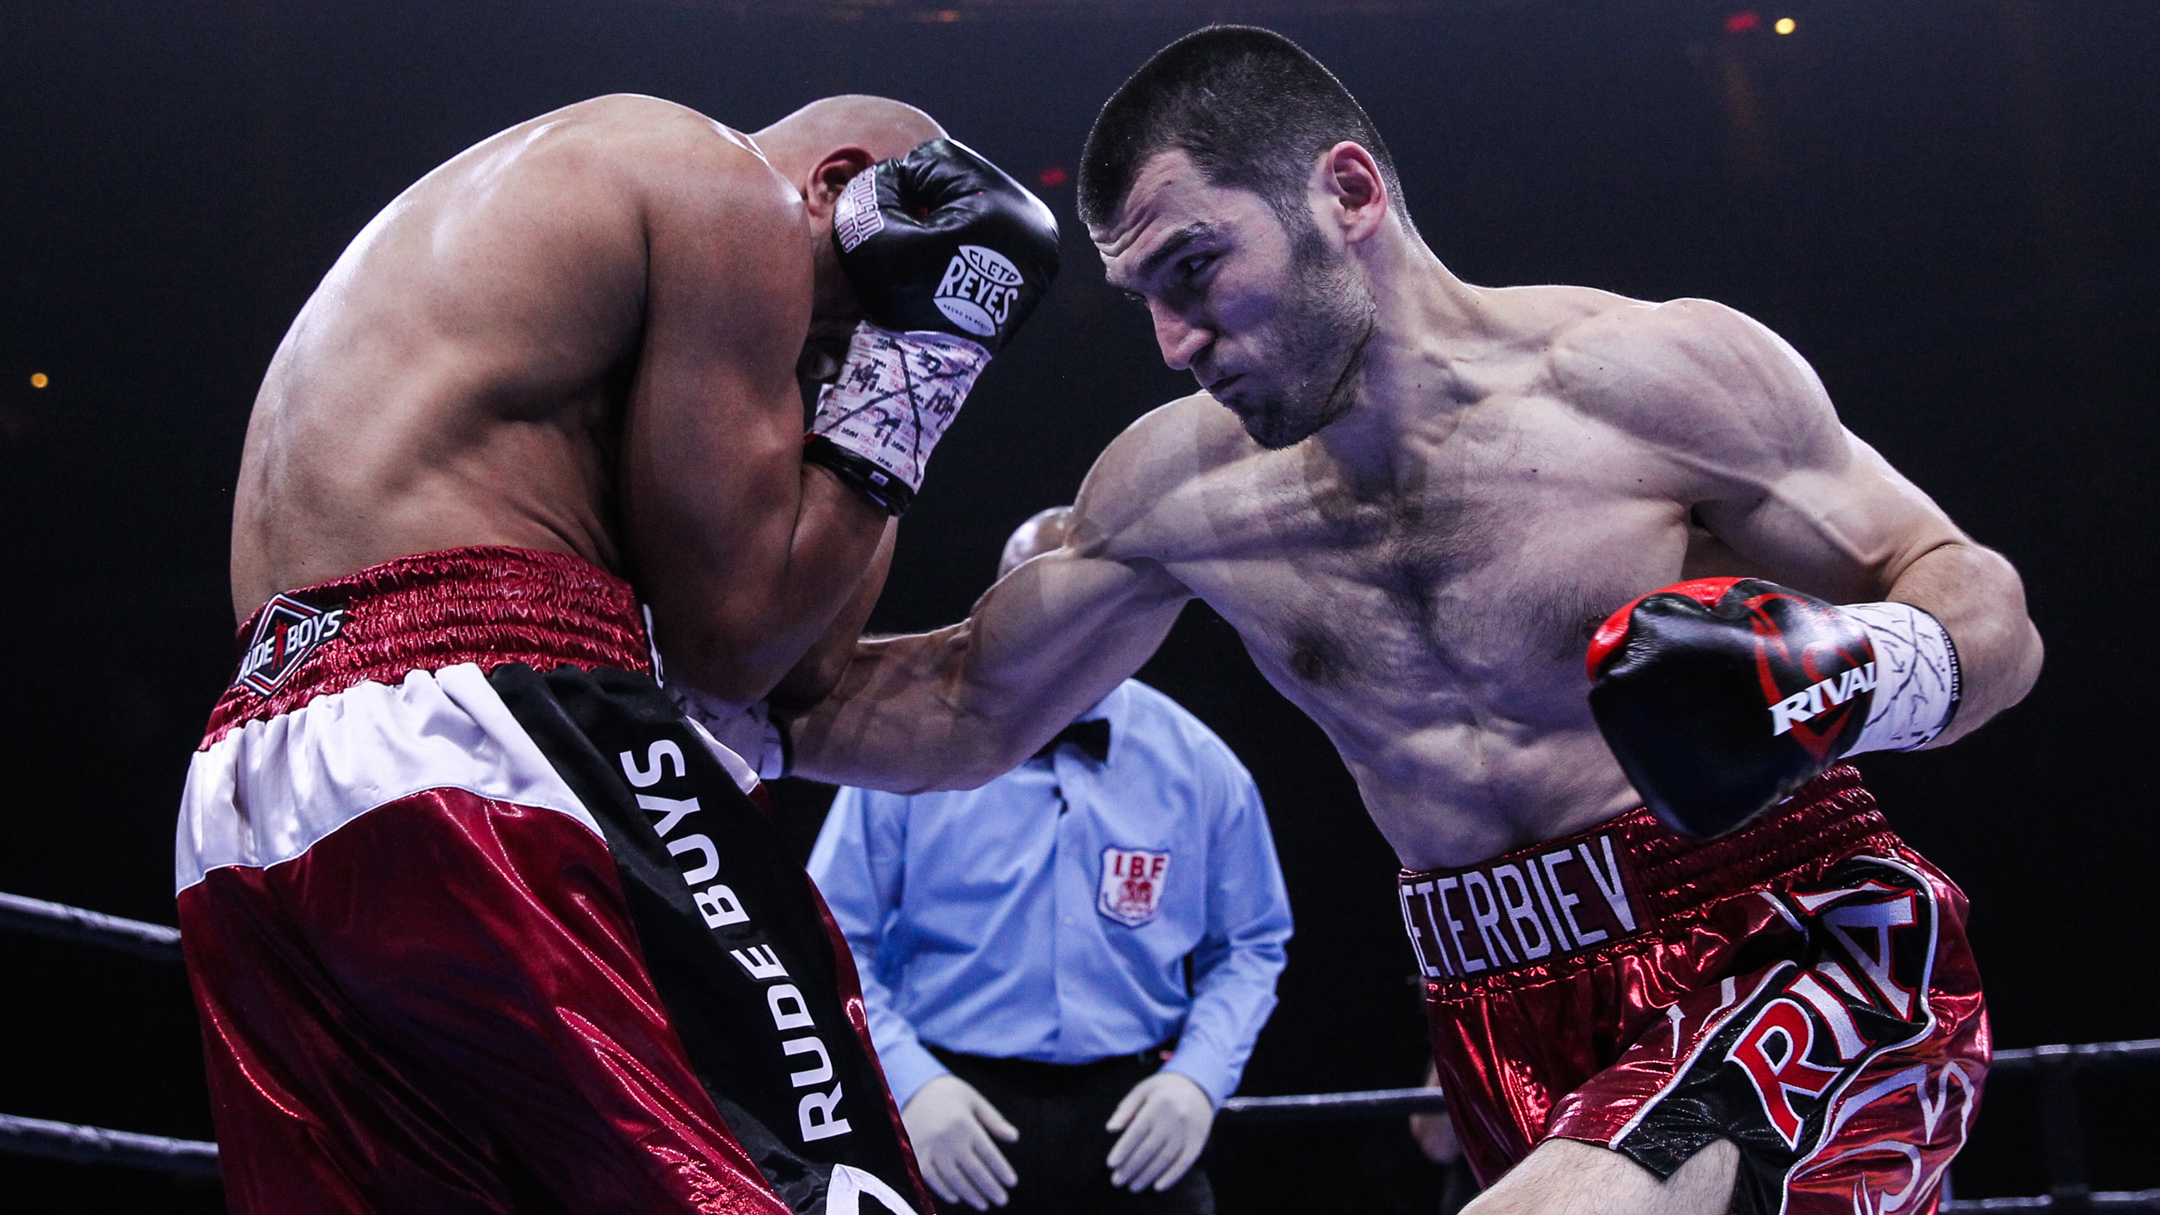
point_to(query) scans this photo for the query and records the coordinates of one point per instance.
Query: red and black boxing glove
(1721, 696)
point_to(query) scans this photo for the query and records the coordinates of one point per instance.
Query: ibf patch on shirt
(285, 634)
(1132, 883)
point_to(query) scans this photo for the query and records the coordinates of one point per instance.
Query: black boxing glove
(943, 241)
(1721, 696)
(947, 255)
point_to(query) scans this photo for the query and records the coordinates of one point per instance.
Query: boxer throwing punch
(476, 920)
(1420, 501)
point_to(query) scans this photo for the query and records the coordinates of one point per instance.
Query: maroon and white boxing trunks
(1801, 987)
(477, 922)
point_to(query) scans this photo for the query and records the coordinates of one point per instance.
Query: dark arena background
(1952, 207)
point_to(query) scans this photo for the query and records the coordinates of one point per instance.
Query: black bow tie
(1092, 737)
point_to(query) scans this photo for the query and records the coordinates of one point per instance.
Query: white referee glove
(950, 1125)
(1166, 1119)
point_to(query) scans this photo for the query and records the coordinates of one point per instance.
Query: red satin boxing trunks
(1801, 987)
(477, 922)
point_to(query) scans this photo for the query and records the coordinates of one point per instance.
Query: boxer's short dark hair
(1250, 107)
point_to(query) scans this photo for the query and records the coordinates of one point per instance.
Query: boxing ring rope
(1330, 1107)
(2057, 1067)
(96, 1145)
(2099, 1200)
(76, 925)
(2062, 1126)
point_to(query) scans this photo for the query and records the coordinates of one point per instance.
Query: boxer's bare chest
(1488, 562)
(1436, 619)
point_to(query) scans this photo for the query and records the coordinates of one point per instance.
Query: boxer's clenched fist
(1721, 696)
(943, 241)
(947, 256)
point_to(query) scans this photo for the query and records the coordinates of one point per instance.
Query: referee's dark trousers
(1063, 1151)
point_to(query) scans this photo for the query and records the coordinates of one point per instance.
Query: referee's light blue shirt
(984, 921)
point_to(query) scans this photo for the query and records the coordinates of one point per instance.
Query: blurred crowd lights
(39, 379)
(1748, 19)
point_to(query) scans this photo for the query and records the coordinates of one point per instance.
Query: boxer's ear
(1356, 192)
(831, 175)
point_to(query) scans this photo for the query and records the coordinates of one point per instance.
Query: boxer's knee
(1566, 1176)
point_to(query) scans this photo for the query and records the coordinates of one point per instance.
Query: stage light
(39, 379)
(1741, 23)
(948, 14)
(1052, 176)
(1785, 25)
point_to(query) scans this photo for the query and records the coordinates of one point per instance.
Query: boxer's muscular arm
(963, 705)
(818, 672)
(1788, 487)
(958, 707)
(745, 554)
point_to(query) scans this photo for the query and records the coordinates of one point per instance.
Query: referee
(1065, 969)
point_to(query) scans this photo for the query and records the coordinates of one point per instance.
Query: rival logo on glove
(978, 289)
(1820, 698)
(1794, 638)
(1721, 696)
(1798, 638)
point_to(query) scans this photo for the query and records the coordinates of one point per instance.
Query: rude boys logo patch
(285, 635)
(1132, 884)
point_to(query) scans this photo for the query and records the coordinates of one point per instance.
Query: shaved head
(880, 126)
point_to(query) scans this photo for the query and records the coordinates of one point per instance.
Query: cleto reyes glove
(947, 255)
(1721, 696)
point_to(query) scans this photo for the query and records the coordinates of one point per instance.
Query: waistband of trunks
(483, 605)
(1583, 891)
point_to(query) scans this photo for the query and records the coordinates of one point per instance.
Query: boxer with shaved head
(476, 919)
(1592, 596)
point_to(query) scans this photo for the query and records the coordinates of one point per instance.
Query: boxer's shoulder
(609, 175)
(1689, 374)
(642, 149)
(1631, 355)
(1153, 472)
(633, 125)
(1164, 448)
(711, 219)
(1209, 434)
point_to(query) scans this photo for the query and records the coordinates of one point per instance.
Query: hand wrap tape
(1916, 677)
(896, 395)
